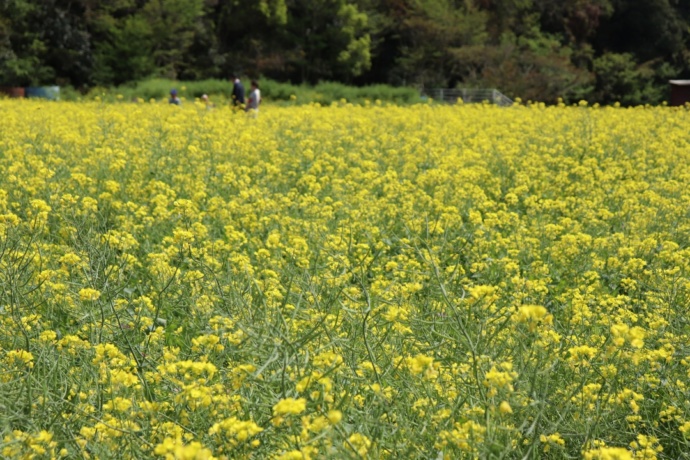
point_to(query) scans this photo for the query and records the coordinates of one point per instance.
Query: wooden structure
(680, 92)
(13, 91)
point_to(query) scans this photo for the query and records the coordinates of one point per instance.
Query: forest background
(598, 50)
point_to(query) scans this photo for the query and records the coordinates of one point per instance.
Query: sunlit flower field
(425, 282)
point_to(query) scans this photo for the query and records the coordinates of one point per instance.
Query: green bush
(220, 90)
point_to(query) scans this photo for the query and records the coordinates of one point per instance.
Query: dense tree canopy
(601, 50)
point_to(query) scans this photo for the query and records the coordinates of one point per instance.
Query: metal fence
(469, 96)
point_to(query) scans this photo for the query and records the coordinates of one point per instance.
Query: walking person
(254, 99)
(237, 91)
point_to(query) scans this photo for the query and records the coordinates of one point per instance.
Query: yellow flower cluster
(19, 444)
(344, 282)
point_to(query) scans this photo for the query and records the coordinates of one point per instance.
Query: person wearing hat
(173, 98)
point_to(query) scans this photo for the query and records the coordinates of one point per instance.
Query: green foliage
(434, 30)
(599, 50)
(172, 31)
(332, 92)
(356, 56)
(26, 70)
(621, 79)
(532, 67)
(159, 88)
(330, 40)
(272, 91)
(275, 11)
(125, 54)
(22, 51)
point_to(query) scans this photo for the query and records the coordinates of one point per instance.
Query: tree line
(598, 50)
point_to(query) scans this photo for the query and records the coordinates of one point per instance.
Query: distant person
(237, 91)
(254, 99)
(209, 105)
(173, 98)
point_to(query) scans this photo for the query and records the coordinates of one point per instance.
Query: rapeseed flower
(290, 406)
(437, 280)
(608, 453)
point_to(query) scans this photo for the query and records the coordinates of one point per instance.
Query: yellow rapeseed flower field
(344, 282)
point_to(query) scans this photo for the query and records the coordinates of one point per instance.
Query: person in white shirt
(254, 99)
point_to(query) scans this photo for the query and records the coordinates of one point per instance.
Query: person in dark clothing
(237, 91)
